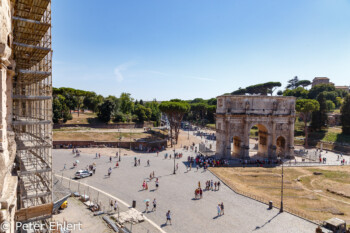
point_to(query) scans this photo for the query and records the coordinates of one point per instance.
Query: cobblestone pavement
(176, 193)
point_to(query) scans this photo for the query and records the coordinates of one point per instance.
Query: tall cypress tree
(345, 115)
(319, 118)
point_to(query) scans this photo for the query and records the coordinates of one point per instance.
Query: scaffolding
(32, 107)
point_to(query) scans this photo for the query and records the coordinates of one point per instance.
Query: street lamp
(120, 138)
(281, 209)
(174, 161)
(188, 129)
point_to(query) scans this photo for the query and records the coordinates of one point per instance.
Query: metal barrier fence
(104, 200)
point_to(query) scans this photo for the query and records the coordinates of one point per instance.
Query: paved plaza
(176, 193)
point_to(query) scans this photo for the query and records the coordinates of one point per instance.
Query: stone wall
(273, 116)
(116, 144)
(8, 182)
(107, 126)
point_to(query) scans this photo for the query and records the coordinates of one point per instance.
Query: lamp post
(188, 129)
(281, 209)
(120, 138)
(130, 137)
(174, 161)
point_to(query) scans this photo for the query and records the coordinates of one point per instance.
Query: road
(176, 193)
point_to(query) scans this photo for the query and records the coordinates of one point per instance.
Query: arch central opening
(258, 141)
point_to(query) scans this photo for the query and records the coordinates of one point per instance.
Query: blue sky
(185, 49)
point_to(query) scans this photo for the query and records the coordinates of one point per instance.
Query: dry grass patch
(304, 192)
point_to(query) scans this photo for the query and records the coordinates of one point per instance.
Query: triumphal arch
(272, 118)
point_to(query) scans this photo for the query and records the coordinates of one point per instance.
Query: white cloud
(118, 71)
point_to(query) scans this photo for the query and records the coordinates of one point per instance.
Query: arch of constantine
(273, 118)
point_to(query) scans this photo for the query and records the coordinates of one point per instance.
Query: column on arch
(272, 153)
(245, 146)
(290, 151)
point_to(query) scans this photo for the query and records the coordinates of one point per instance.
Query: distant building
(320, 80)
(345, 88)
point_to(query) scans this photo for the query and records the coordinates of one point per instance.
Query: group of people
(137, 162)
(154, 205)
(221, 209)
(198, 193)
(211, 185)
(92, 167)
(151, 175)
(323, 159)
(113, 205)
(76, 152)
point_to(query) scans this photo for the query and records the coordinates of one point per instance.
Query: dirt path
(317, 193)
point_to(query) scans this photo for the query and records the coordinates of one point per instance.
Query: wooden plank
(33, 212)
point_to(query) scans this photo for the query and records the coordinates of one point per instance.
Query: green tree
(299, 92)
(60, 110)
(105, 111)
(319, 118)
(305, 107)
(197, 100)
(330, 105)
(292, 83)
(345, 115)
(303, 83)
(280, 92)
(211, 110)
(79, 100)
(142, 113)
(262, 88)
(126, 103)
(116, 103)
(212, 101)
(156, 114)
(199, 111)
(338, 102)
(317, 89)
(174, 112)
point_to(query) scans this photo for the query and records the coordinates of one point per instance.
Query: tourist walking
(219, 209)
(211, 185)
(111, 204)
(110, 159)
(218, 185)
(64, 167)
(144, 185)
(222, 208)
(215, 186)
(148, 163)
(157, 183)
(115, 206)
(177, 166)
(154, 205)
(109, 171)
(147, 205)
(168, 217)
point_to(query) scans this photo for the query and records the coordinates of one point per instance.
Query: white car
(83, 173)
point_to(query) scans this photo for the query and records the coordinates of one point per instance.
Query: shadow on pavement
(259, 227)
